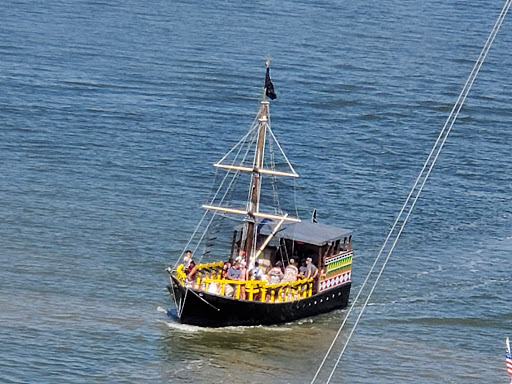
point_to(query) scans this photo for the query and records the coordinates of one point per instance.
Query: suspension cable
(438, 146)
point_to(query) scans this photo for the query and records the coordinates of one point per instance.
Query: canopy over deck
(305, 231)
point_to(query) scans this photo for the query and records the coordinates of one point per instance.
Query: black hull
(208, 310)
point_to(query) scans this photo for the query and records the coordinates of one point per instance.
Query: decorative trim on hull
(334, 281)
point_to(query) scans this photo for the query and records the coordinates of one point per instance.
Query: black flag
(269, 87)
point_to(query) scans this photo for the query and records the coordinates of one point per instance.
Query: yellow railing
(213, 269)
(209, 279)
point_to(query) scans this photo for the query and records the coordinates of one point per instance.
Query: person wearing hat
(311, 269)
(290, 273)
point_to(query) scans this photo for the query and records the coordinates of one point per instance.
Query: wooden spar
(225, 209)
(249, 169)
(267, 240)
(255, 214)
(508, 346)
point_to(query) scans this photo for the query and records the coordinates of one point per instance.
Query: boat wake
(173, 322)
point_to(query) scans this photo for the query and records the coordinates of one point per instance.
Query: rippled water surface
(112, 114)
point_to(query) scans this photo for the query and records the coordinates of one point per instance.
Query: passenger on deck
(290, 273)
(187, 258)
(233, 273)
(213, 287)
(311, 269)
(266, 271)
(275, 274)
(243, 277)
(191, 273)
(240, 257)
(225, 268)
(257, 273)
(302, 268)
(202, 284)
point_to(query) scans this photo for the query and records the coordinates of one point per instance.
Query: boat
(222, 279)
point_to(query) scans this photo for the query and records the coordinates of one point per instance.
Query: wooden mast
(252, 209)
(253, 205)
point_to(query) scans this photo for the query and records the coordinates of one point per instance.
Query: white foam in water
(305, 321)
(193, 328)
(183, 327)
(238, 329)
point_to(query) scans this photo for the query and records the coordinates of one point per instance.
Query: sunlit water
(112, 114)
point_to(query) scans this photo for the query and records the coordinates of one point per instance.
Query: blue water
(112, 114)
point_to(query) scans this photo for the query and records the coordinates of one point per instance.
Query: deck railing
(209, 279)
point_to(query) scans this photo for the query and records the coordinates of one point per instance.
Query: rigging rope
(228, 189)
(416, 191)
(277, 204)
(240, 144)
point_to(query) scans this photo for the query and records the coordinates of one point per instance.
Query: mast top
(269, 87)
